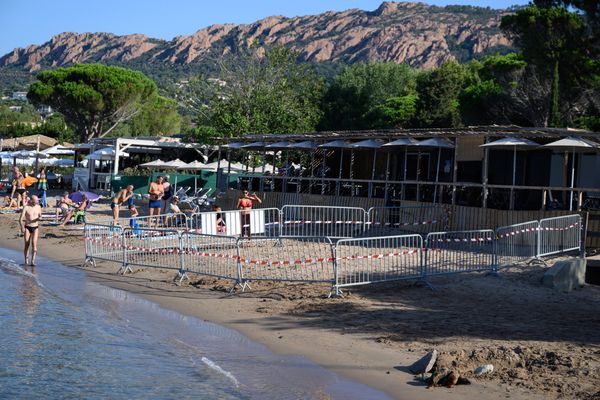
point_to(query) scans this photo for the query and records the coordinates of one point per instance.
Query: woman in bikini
(29, 223)
(245, 206)
(18, 187)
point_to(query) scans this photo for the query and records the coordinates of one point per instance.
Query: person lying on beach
(9, 202)
(29, 223)
(124, 195)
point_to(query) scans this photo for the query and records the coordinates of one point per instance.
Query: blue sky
(25, 22)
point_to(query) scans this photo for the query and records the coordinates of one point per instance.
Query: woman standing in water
(30, 223)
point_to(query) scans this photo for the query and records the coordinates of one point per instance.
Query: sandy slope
(543, 344)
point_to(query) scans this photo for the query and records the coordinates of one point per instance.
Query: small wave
(12, 267)
(220, 370)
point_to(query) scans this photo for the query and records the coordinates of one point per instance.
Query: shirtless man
(124, 195)
(63, 205)
(30, 223)
(156, 192)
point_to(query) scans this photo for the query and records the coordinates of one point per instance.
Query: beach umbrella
(153, 164)
(58, 150)
(514, 143)
(439, 143)
(338, 144)
(278, 146)
(106, 153)
(573, 144)
(177, 163)
(194, 166)
(77, 197)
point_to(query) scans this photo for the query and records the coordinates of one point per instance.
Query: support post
(455, 172)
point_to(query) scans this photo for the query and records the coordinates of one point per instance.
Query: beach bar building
(499, 167)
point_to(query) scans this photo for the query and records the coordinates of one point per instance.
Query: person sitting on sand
(63, 205)
(9, 202)
(29, 223)
(80, 207)
(124, 195)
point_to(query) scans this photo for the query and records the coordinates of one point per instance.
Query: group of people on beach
(20, 192)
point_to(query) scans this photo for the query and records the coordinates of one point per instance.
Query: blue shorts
(130, 203)
(154, 204)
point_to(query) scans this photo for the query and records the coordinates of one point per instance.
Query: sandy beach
(543, 344)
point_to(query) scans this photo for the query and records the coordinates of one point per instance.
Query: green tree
(56, 127)
(94, 98)
(158, 117)
(355, 99)
(550, 39)
(395, 112)
(438, 92)
(270, 92)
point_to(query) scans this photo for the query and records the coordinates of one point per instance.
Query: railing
(461, 251)
(517, 243)
(559, 235)
(317, 221)
(362, 259)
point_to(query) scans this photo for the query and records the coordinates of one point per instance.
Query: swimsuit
(167, 194)
(113, 205)
(20, 191)
(31, 229)
(154, 204)
(246, 203)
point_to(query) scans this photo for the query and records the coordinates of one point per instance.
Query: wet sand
(543, 344)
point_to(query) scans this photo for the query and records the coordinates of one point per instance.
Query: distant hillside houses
(19, 96)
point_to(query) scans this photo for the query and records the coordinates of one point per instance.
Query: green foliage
(17, 123)
(94, 98)
(264, 94)
(554, 42)
(56, 127)
(354, 98)
(439, 92)
(395, 112)
(158, 117)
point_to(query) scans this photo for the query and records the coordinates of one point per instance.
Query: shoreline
(300, 321)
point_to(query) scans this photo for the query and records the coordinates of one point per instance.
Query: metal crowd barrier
(211, 255)
(383, 221)
(559, 235)
(308, 259)
(277, 251)
(317, 221)
(460, 251)
(154, 248)
(361, 261)
(103, 242)
(170, 220)
(516, 243)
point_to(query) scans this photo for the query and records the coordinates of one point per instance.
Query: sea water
(65, 337)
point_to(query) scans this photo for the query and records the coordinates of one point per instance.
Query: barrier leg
(124, 269)
(89, 261)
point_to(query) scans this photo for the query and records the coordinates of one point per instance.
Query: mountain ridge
(416, 33)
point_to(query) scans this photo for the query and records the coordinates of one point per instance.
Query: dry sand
(543, 344)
